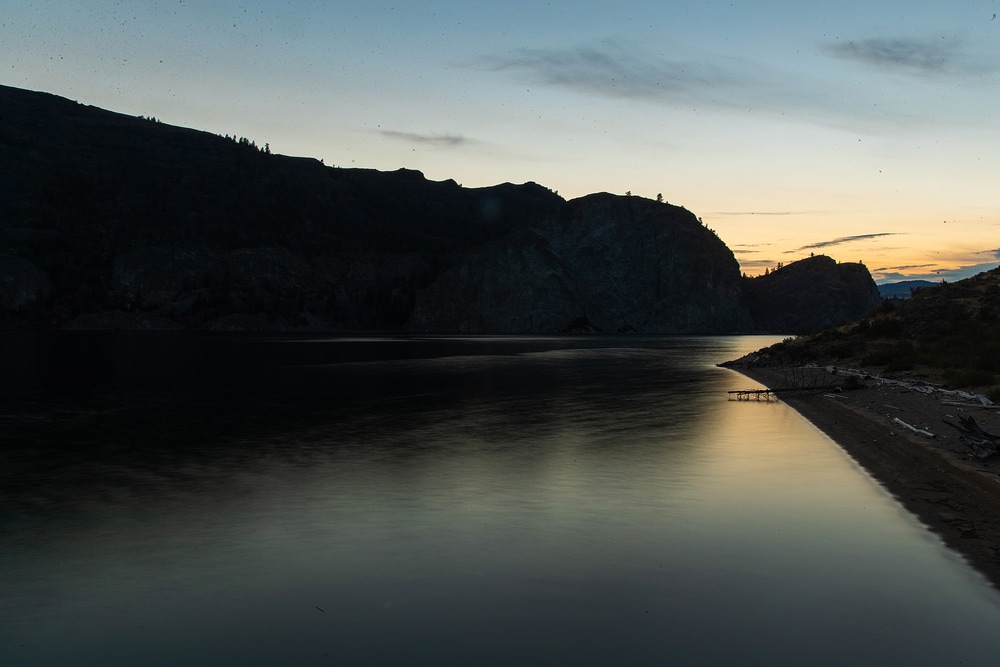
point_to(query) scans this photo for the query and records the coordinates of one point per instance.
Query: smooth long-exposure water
(184, 499)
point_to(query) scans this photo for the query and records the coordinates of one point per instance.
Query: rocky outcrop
(645, 266)
(607, 263)
(809, 294)
(149, 278)
(23, 286)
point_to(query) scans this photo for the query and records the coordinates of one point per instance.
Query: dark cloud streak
(933, 275)
(616, 71)
(445, 140)
(904, 267)
(842, 240)
(915, 56)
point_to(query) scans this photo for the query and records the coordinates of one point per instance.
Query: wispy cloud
(841, 240)
(894, 274)
(757, 266)
(904, 267)
(617, 71)
(915, 55)
(882, 277)
(443, 140)
(966, 271)
(910, 55)
(755, 213)
(612, 69)
(708, 82)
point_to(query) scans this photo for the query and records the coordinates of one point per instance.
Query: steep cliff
(810, 294)
(605, 263)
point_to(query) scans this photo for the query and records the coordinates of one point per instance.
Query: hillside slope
(949, 334)
(112, 221)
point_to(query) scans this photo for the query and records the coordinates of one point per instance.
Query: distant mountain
(113, 221)
(902, 289)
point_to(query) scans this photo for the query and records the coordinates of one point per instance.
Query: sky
(867, 131)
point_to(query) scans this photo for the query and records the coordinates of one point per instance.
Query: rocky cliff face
(605, 263)
(810, 294)
(112, 221)
(23, 286)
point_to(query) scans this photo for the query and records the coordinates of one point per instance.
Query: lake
(232, 499)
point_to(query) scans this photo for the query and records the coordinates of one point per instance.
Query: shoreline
(936, 479)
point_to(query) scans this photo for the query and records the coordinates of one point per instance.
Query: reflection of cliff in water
(100, 409)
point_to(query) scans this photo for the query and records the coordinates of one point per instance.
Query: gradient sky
(864, 130)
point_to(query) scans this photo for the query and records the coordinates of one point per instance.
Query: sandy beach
(936, 478)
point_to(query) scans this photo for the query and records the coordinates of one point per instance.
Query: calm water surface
(182, 499)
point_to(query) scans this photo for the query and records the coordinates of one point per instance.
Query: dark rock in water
(810, 294)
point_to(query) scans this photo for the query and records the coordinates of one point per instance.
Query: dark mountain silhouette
(113, 221)
(810, 294)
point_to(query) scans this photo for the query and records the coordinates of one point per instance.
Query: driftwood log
(981, 443)
(918, 431)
